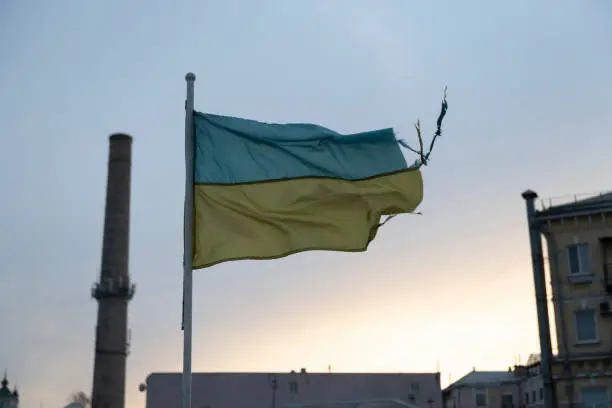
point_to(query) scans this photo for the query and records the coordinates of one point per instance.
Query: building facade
(278, 390)
(8, 398)
(578, 239)
(532, 387)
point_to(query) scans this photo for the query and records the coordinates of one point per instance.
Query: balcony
(113, 288)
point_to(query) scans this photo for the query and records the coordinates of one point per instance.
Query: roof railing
(546, 203)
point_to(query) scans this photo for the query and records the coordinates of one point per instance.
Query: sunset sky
(530, 94)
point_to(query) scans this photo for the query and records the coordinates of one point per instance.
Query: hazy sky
(530, 107)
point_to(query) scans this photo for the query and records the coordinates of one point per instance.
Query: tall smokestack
(114, 290)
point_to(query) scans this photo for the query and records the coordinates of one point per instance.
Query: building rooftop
(585, 203)
(480, 378)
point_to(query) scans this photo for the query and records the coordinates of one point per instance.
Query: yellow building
(578, 239)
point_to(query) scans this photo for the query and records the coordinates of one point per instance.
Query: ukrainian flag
(265, 191)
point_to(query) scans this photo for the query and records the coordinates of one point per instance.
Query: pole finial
(190, 77)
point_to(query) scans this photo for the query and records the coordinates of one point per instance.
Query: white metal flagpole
(188, 241)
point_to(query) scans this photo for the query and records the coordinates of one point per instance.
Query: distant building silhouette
(8, 398)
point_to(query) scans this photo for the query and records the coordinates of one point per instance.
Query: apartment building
(578, 239)
(519, 387)
(484, 389)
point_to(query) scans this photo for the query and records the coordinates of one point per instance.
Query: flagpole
(188, 241)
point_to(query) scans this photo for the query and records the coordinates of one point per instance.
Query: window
(541, 393)
(293, 387)
(586, 326)
(533, 396)
(481, 398)
(526, 398)
(596, 397)
(579, 260)
(507, 401)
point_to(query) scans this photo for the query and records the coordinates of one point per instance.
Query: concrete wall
(255, 390)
